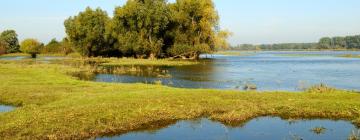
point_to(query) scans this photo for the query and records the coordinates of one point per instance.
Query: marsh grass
(355, 135)
(319, 130)
(321, 88)
(54, 105)
(350, 56)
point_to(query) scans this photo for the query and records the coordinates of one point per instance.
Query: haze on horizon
(252, 22)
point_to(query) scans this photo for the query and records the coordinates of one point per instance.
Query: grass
(350, 56)
(53, 105)
(157, 62)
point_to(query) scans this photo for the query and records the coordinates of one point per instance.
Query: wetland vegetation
(164, 70)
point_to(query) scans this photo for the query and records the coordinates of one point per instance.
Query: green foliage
(325, 43)
(148, 29)
(55, 47)
(140, 25)
(31, 46)
(194, 25)
(10, 41)
(87, 32)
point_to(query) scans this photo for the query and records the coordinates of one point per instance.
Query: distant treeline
(326, 43)
(9, 43)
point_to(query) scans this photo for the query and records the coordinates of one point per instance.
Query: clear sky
(251, 21)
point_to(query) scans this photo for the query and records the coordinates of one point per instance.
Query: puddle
(4, 108)
(269, 128)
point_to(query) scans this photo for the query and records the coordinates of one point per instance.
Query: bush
(31, 46)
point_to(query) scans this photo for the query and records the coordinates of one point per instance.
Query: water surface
(268, 128)
(4, 108)
(289, 71)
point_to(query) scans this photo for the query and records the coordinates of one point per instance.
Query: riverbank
(53, 105)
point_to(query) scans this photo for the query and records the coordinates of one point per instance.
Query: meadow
(51, 104)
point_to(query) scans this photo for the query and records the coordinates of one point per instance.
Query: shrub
(31, 46)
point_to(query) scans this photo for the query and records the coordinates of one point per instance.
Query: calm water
(290, 71)
(262, 128)
(13, 57)
(42, 58)
(4, 108)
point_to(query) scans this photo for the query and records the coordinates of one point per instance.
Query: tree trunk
(33, 55)
(152, 56)
(195, 56)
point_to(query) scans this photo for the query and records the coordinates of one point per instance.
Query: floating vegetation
(319, 130)
(350, 56)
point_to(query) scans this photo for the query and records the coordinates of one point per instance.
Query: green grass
(54, 105)
(156, 62)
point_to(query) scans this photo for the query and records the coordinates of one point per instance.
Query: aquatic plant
(319, 130)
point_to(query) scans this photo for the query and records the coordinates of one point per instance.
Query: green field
(54, 105)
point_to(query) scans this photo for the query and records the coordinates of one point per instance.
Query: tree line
(148, 29)
(9, 43)
(140, 29)
(325, 43)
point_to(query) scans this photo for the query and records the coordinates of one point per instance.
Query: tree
(338, 42)
(325, 43)
(140, 27)
(86, 32)
(31, 46)
(195, 23)
(221, 39)
(3, 46)
(10, 38)
(66, 46)
(52, 47)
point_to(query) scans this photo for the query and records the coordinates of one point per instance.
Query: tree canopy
(87, 31)
(31, 46)
(148, 29)
(9, 41)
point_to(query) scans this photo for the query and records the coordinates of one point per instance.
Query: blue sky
(251, 21)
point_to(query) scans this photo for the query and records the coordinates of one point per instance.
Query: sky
(251, 21)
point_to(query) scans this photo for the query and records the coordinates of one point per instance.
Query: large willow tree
(196, 22)
(87, 32)
(139, 27)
